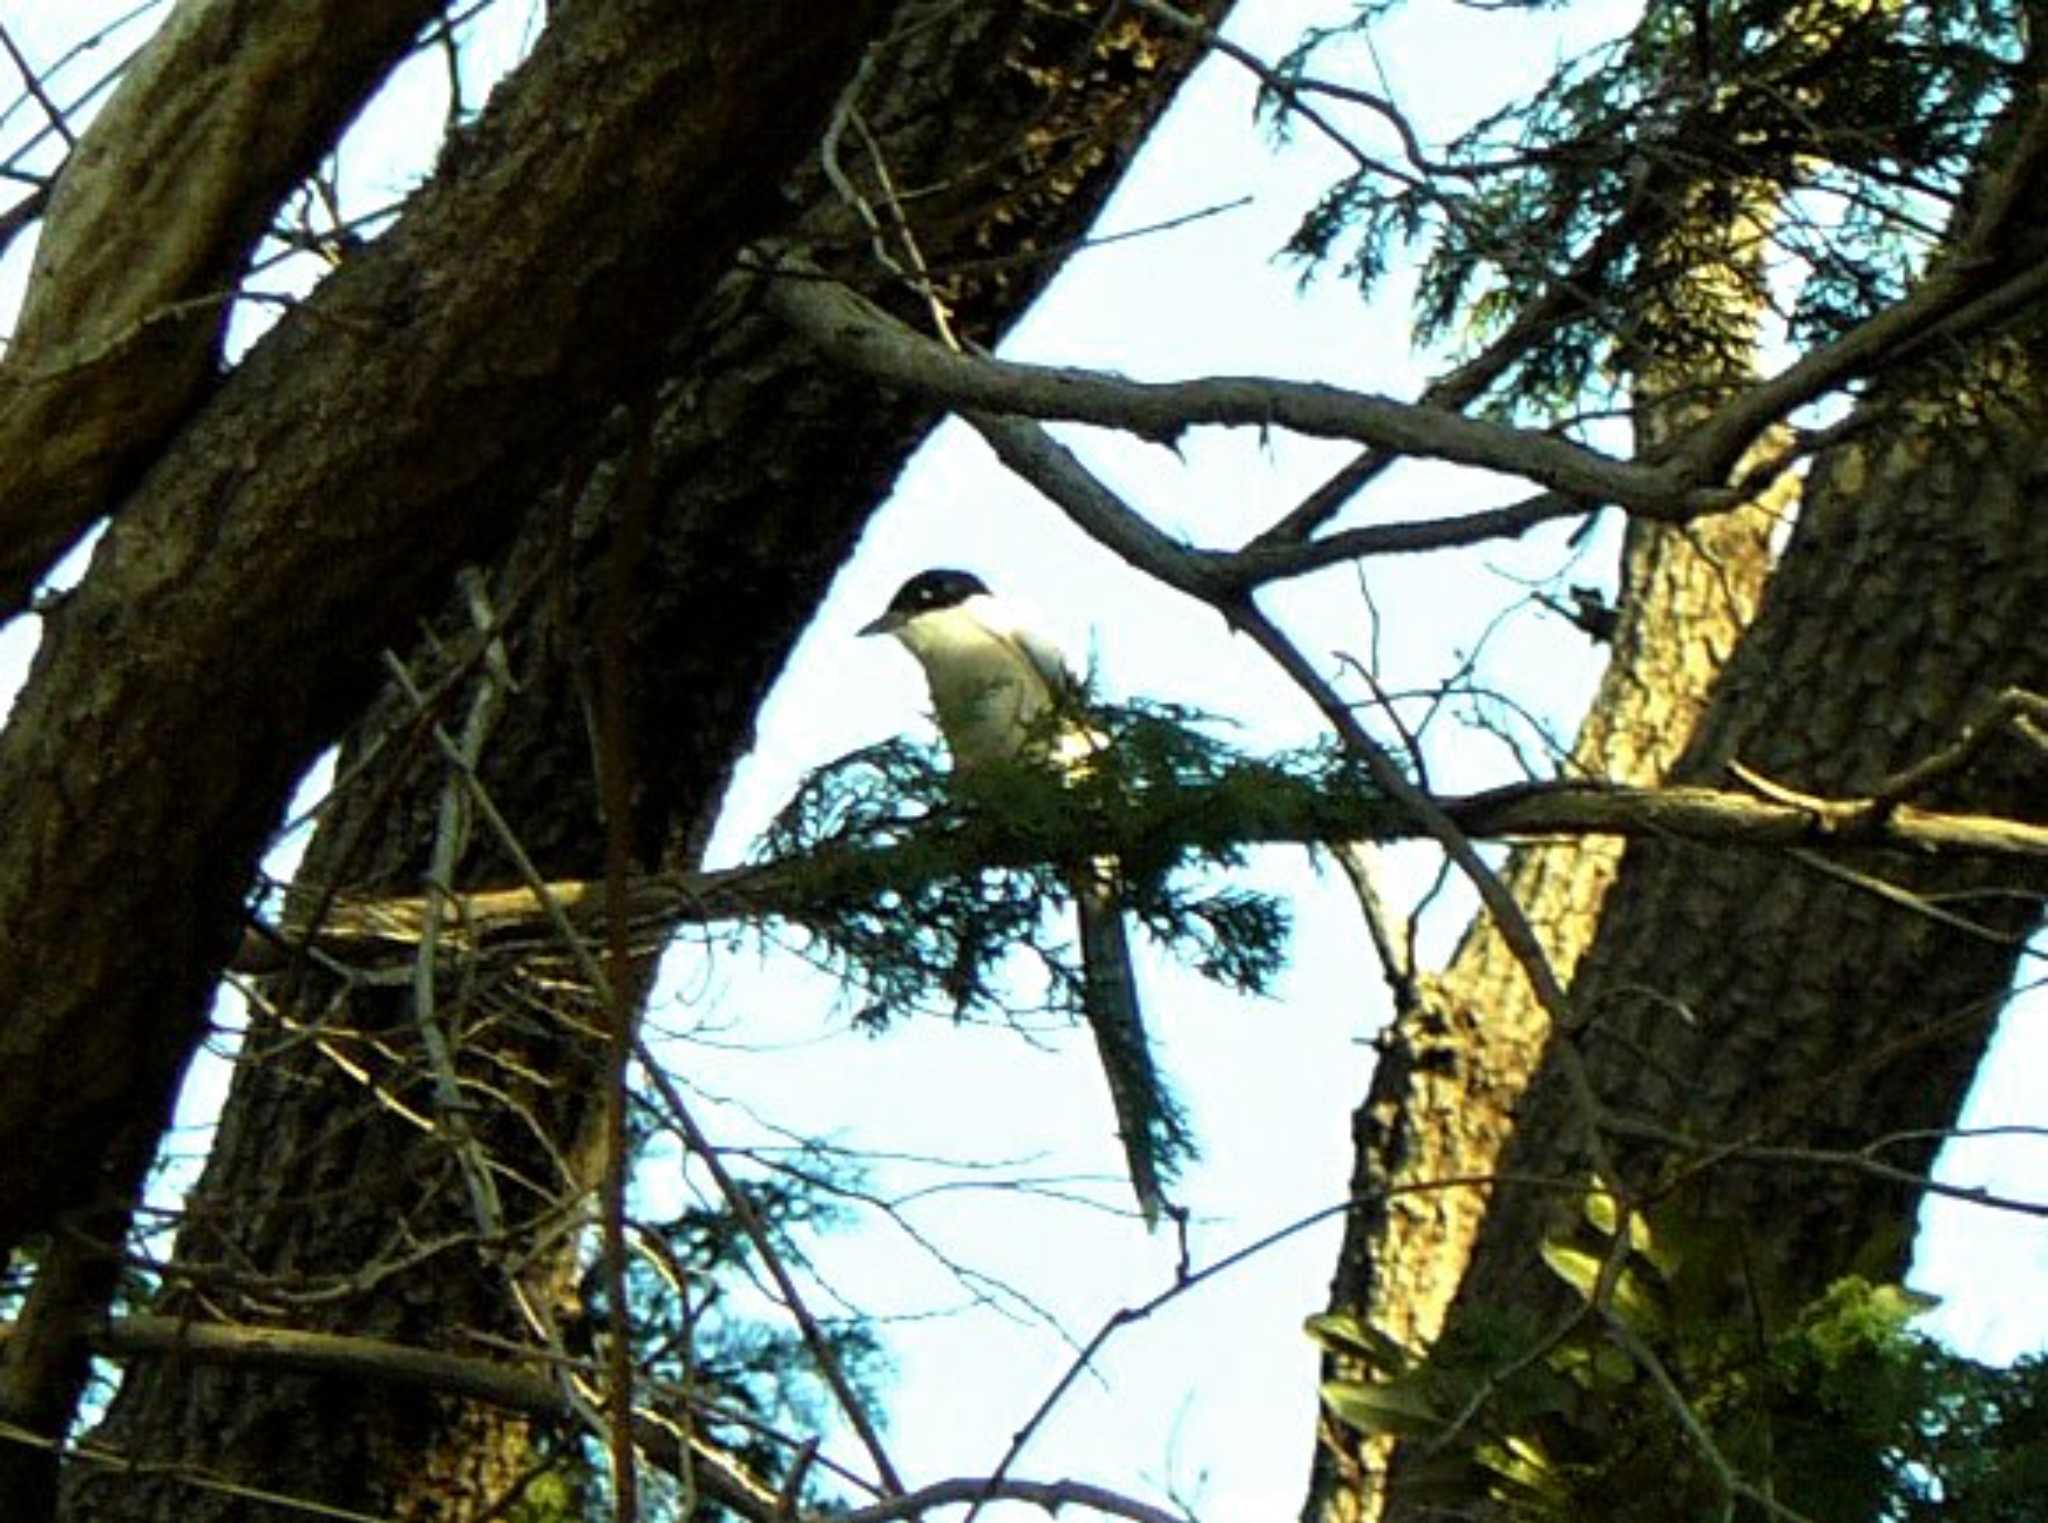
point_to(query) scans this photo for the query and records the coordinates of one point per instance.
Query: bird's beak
(887, 624)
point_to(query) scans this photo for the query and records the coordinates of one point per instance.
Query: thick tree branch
(289, 1351)
(148, 227)
(1687, 481)
(1039, 458)
(320, 504)
(856, 333)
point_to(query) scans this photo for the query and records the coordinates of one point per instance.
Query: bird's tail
(1154, 1132)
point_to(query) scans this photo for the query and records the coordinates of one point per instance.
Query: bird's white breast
(986, 689)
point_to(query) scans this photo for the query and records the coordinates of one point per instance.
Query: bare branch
(1050, 1495)
(503, 1385)
(750, 1221)
(32, 82)
(659, 902)
(21, 216)
(853, 331)
(1687, 480)
(369, 1359)
(1861, 1161)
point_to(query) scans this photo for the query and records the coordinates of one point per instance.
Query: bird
(1005, 693)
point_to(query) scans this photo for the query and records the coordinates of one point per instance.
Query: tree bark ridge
(149, 225)
(764, 466)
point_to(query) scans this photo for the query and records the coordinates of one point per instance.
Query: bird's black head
(927, 592)
(939, 588)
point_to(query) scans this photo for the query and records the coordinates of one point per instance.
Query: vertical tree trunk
(1747, 999)
(1453, 1068)
(1735, 997)
(219, 637)
(225, 631)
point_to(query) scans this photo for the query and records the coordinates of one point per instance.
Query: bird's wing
(1042, 655)
(1050, 662)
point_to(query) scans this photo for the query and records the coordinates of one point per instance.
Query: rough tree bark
(227, 627)
(1454, 1065)
(1012, 124)
(147, 230)
(1733, 997)
(1469, 1084)
(1755, 998)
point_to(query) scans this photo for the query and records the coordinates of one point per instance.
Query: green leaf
(1603, 1212)
(1524, 1465)
(1595, 1366)
(1635, 1303)
(1576, 1267)
(1345, 1335)
(1602, 1208)
(1396, 1407)
(1904, 1304)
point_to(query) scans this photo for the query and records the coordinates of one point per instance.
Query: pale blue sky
(1212, 1400)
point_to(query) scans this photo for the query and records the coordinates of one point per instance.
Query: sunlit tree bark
(1454, 1065)
(1736, 998)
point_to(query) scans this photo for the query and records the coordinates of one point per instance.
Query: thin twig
(33, 83)
(615, 768)
(1186, 1281)
(2013, 709)
(1726, 1476)
(450, 838)
(757, 1233)
(1858, 1162)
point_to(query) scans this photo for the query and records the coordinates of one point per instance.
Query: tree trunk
(1015, 123)
(1452, 1068)
(1751, 1000)
(1743, 997)
(1469, 1085)
(313, 508)
(226, 630)
(150, 223)
(1454, 1065)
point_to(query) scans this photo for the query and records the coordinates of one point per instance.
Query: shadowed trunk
(762, 468)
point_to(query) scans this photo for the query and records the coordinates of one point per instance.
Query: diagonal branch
(162, 203)
(829, 1365)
